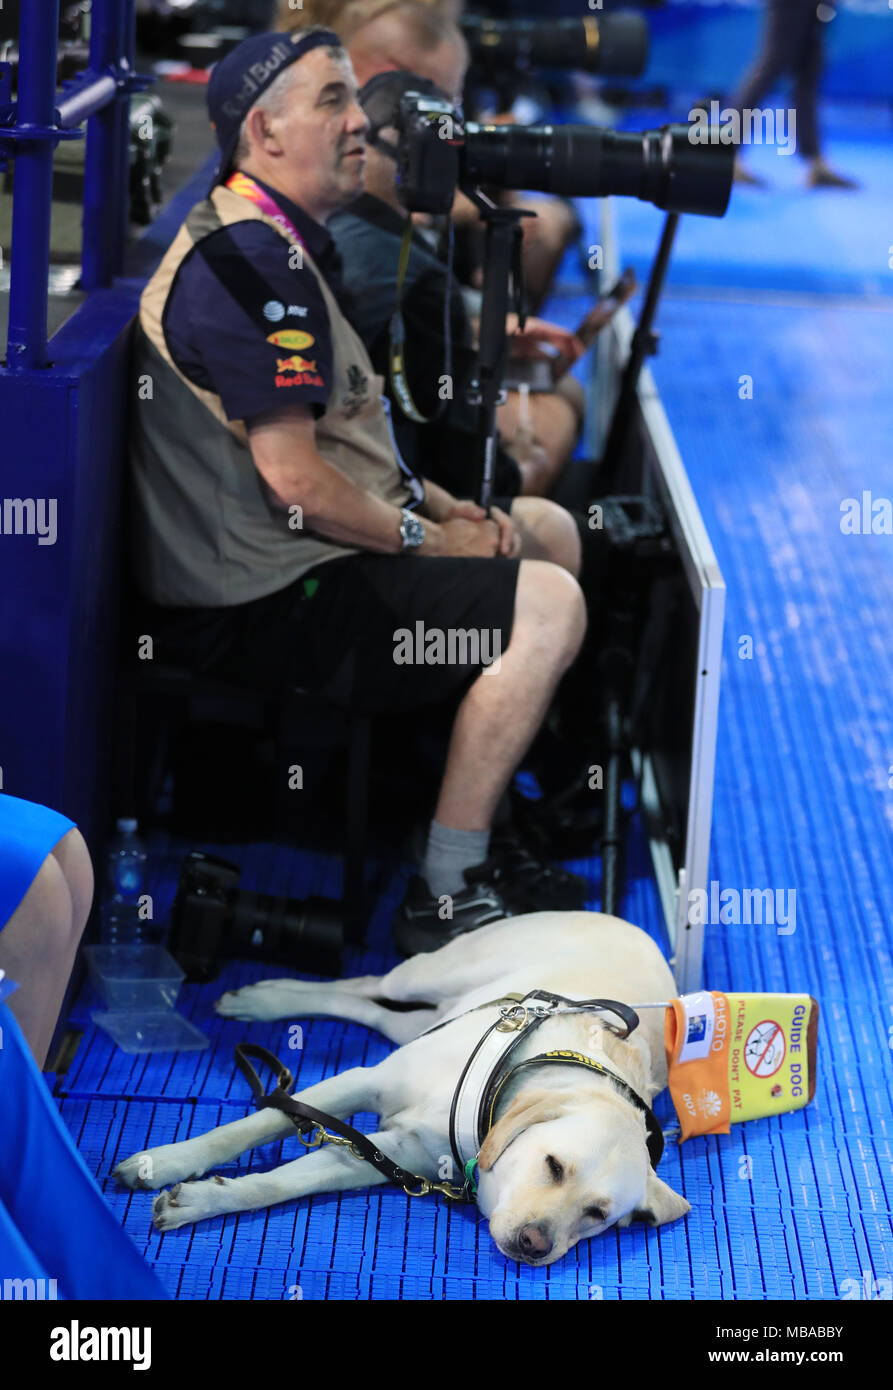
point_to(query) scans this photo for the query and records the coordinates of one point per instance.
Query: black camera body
(212, 919)
(432, 134)
(439, 151)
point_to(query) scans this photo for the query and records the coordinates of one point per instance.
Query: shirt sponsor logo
(301, 379)
(296, 363)
(294, 338)
(296, 370)
(276, 311)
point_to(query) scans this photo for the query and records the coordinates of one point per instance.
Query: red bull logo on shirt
(295, 370)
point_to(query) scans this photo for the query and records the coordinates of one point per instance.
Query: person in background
(279, 537)
(46, 888)
(538, 434)
(792, 46)
(56, 1232)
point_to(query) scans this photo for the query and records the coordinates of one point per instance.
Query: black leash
(305, 1119)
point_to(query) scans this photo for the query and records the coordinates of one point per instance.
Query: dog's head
(567, 1160)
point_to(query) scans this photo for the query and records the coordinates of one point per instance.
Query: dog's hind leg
(269, 999)
(325, 1170)
(342, 1095)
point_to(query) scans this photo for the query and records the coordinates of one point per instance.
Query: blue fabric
(222, 348)
(54, 1223)
(28, 833)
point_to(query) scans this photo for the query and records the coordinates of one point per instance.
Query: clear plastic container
(135, 977)
(151, 1031)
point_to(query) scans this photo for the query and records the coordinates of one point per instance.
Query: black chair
(156, 701)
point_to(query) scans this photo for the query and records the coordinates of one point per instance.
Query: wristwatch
(412, 530)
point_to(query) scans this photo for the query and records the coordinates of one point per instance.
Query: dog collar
(486, 1071)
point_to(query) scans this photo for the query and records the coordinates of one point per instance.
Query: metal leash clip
(322, 1136)
(449, 1189)
(509, 1022)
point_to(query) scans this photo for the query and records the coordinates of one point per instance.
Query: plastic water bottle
(125, 861)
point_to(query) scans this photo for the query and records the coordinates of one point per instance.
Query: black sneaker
(419, 925)
(526, 883)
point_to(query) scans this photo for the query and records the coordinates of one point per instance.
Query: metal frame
(664, 473)
(31, 128)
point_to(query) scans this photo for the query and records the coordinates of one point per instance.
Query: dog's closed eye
(556, 1169)
(594, 1214)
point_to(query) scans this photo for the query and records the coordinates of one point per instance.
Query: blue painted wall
(63, 438)
(711, 45)
(707, 44)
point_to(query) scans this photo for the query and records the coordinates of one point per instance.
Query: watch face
(412, 529)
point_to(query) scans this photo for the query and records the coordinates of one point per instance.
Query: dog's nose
(534, 1240)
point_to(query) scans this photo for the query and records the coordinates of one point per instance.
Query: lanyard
(246, 187)
(397, 335)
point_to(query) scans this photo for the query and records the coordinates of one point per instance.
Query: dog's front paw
(158, 1167)
(266, 1000)
(188, 1202)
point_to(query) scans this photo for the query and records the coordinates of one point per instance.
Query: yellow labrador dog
(564, 1144)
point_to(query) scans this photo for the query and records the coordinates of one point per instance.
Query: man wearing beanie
(279, 537)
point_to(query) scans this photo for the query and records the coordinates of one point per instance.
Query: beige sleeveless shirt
(206, 530)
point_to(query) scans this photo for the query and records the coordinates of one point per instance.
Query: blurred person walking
(792, 46)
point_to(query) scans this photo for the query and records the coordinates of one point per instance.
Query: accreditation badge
(734, 1057)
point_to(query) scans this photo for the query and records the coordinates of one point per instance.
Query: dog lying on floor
(564, 1150)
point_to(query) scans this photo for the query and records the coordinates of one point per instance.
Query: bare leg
(547, 532)
(503, 709)
(38, 943)
(73, 858)
(546, 238)
(554, 425)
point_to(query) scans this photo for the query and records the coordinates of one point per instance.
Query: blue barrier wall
(63, 437)
(63, 444)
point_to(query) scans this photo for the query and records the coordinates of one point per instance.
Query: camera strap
(397, 334)
(306, 1119)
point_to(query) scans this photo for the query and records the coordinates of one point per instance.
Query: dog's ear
(661, 1204)
(632, 1058)
(529, 1108)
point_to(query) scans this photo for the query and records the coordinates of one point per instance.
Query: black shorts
(372, 633)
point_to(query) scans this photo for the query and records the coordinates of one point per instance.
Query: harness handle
(306, 1117)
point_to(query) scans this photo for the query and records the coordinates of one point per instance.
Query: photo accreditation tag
(734, 1057)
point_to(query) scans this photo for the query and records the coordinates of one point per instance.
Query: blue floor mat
(784, 237)
(795, 1207)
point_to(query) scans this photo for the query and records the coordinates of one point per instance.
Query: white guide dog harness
(487, 1070)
